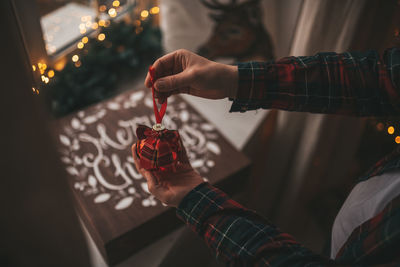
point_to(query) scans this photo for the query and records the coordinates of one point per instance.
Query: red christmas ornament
(157, 148)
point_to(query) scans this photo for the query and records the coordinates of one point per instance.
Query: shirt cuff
(252, 77)
(201, 203)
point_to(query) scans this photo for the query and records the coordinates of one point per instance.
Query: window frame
(27, 14)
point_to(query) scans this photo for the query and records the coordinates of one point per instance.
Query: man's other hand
(170, 188)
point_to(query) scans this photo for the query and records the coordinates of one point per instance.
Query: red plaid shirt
(349, 83)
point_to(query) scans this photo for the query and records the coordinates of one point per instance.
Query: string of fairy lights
(390, 129)
(87, 23)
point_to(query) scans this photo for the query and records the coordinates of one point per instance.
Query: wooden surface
(111, 195)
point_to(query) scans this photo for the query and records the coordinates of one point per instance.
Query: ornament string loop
(158, 114)
(158, 148)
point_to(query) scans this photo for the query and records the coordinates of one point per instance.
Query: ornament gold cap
(158, 127)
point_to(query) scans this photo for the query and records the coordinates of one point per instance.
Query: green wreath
(125, 52)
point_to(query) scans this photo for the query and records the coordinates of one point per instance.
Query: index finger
(163, 67)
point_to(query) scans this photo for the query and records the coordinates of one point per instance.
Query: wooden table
(111, 196)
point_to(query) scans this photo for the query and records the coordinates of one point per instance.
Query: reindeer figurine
(238, 33)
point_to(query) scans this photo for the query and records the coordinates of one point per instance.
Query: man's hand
(185, 72)
(170, 188)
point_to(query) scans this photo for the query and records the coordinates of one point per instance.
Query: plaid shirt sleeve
(239, 236)
(353, 83)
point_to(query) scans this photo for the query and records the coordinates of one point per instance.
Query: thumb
(152, 182)
(173, 82)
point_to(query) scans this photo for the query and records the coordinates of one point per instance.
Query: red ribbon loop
(158, 114)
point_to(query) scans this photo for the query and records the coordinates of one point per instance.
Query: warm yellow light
(78, 64)
(60, 64)
(101, 37)
(102, 8)
(46, 80)
(33, 89)
(80, 45)
(116, 3)
(85, 40)
(397, 139)
(37, 91)
(86, 18)
(83, 31)
(42, 66)
(33, 67)
(137, 23)
(155, 10)
(102, 22)
(88, 24)
(82, 26)
(112, 12)
(144, 13)
(42, 77)
(95, 26)
(390, 130)
(75, 58)
(50, 73)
